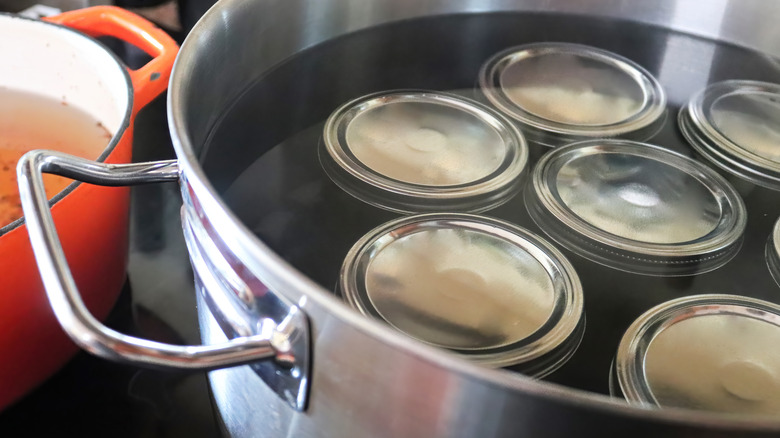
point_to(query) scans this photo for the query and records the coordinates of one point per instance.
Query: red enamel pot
(58, 58)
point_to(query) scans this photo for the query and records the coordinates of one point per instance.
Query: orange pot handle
(150, 80)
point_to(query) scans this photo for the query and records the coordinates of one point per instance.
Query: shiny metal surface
(572, 89)
(705, 352)
(736, 125)
(228, 299)
(474, 285)
(393, 136)
(655, 206)
(637, 198)
(772, 252)
(352, 353)
(423, 150)
(750, 120)
(433, 274)
(274, 342)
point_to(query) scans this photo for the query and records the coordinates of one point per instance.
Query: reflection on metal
(268, 316)
(421, 151)
(772, 252)
(282, 341)
(492, 292)
(735, 125)
(637, 207)
(705, 352)
(684, 67)
(562, 92)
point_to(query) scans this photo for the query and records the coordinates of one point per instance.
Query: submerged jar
(423, 151)
(706, 352)
(482, 288)
(636, 207)
(562, 92)
(773, 252)
(735, 125)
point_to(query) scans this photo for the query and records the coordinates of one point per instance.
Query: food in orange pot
(55, 62)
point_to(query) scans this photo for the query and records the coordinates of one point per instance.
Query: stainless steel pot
(316, 367)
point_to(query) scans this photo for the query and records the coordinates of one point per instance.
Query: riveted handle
(272, 344)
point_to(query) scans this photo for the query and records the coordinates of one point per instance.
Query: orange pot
(57, 58)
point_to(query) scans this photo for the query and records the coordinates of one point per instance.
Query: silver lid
(736, 125)
(773, 252)
(572, 92)
(636, 207)
(420, 151)
(706, 352)
(488, 290)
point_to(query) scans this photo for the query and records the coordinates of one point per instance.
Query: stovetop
(91, 397)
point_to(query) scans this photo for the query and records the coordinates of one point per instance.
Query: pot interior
(60, 90)
(260, 147)
(66, 66)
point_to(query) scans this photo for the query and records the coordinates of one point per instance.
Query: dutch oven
(58, 58)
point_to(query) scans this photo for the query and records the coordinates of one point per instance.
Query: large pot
(316, 367)
(58, 59)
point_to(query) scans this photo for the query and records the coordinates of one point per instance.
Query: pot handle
(276, 342)
(150, 80)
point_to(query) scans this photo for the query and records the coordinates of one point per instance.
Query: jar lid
(483, 288)
(421, 151)
(707, 352)
(563, 92)
(736, 125)
(636, 207)
(773, 252)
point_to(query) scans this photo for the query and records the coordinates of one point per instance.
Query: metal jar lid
(483, 288)
(706, 352)
(736, 125)
(563, 92)
(423, 151)
(636, 207)
(773, 252)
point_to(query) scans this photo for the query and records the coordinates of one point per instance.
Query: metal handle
(78, 323)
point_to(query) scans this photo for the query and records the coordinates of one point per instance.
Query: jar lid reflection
(706, 352)
(418, 151)
(481, 287)
(571, 91)
(735, 125)
(636, 207)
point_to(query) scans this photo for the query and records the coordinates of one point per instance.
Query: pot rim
(249, 248)
(116, 136)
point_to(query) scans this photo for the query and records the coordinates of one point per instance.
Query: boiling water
(263, 154)
(29, 121)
